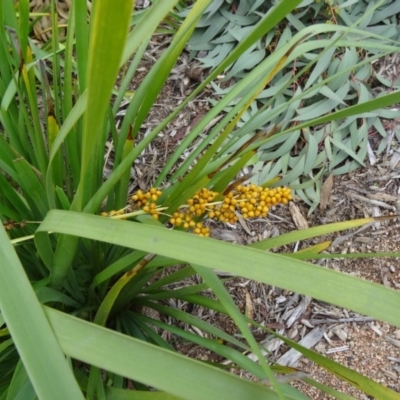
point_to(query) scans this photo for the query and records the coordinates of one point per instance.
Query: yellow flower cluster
(250, 201)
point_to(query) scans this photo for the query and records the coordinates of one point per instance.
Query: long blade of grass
(326, 389)
(183, 292)
(66, 128)
(146, 26)
(238, 358)
(327, 285)
(82, 41)
(358, 109)
(20, 386)
(304, 234)
(109, 30)
(148, 364)
(32, 186)
(39, 350)
(23, 8)
(195, 321)
(308, 256)
(72, 145)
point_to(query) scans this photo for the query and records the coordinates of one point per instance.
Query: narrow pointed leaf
(314, 281)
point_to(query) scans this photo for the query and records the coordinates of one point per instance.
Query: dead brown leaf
(326, 192)
(298, 218)
(249, 306)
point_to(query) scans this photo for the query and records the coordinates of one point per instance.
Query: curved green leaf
(39, 350)
(149, 364)
(323, 284)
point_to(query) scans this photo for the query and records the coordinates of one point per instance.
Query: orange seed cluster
(253, 201)
(195, 207)
(250, 201)
(147, 201)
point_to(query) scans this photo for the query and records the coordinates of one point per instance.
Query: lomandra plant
(77, 267)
